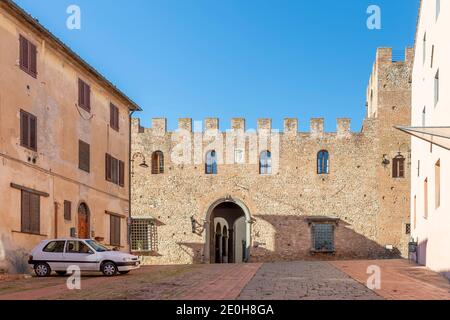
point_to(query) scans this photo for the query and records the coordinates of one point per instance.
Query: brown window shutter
(114, 230)
(25, 212)
(67, 210)
(33, 133)
(401, 168)
(108, 167)
(35, 221)
(121, 173)
(33, 59)
(161, 162)
(87, 98)
(24, 132)
(395, 168)
(84, 156)
(115, 170)
(81, 102)
(111, 115)
(24, 62)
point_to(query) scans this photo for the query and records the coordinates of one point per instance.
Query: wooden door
(83, 222)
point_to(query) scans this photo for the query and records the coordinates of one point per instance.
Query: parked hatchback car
(58, 254)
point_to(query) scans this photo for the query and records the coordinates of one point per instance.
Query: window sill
(313, 251)
(30, 233)
(28, 72)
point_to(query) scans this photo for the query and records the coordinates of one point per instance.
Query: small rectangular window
(84, 156)
(30, 217)
(323, 237)
(67, 210)
(84, 95)
(436, 88)
(28, 130)
(437, 180)
(115, 230)
(114, 117)
(408, 228)
(55, 247)
(398, 167)
(28, 57)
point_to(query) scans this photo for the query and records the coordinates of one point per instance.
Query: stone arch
(209, 256)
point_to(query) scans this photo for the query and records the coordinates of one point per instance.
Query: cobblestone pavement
(304, 281)
(269, 281)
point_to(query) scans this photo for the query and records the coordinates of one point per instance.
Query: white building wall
(432, 233)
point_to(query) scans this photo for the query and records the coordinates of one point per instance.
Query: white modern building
(430, 130)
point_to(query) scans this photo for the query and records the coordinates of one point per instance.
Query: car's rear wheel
(109, 269)
(61, 273)
(42, 269)
(124, 272)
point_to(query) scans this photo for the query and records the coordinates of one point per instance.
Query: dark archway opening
(228, 234)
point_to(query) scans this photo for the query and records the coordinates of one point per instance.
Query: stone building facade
(263, 195)
(59, 118)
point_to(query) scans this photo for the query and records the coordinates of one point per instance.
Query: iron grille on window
(408, 228)
(323, 237)
(143, 235)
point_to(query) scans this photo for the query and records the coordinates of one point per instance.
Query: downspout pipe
(129, 180)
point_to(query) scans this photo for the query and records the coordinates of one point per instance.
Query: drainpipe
(129, 181)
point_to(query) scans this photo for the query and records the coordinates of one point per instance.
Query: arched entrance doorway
(228, 235)
(83, 221)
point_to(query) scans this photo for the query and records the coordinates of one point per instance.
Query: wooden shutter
(114, 116)
(81, 93)
(84, 156)
(114, 230)
(35, 221)
(24, 62)
(67, 210)
(25, 212)
(401, 168)
(395, 168)
(33, 133)
(33, 58)
(121, 173)
(108, 167)
(115, 170)
(24, 128)
(87, 99)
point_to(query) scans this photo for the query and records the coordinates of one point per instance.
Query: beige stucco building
(263, 195)
(64, 142)
(430, 127)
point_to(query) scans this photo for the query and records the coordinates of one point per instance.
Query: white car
(58, 254)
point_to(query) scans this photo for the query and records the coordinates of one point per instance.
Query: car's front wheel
(109, 269)
(42, 269)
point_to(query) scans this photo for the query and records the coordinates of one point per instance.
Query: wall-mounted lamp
(385, 161)
(143, 164)
(197, 228)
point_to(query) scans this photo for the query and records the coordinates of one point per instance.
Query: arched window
(157, 162)
(398, 167)
(211, 162)
(265, 162)
(323, 162)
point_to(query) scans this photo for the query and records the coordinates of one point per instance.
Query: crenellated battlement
(263, 125)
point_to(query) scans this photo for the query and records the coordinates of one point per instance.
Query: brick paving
(269, 281)
(304, 281)
(400, 279)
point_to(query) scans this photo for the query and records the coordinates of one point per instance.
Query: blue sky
(235, 58)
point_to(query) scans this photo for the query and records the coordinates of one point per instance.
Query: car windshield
(97, 246)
